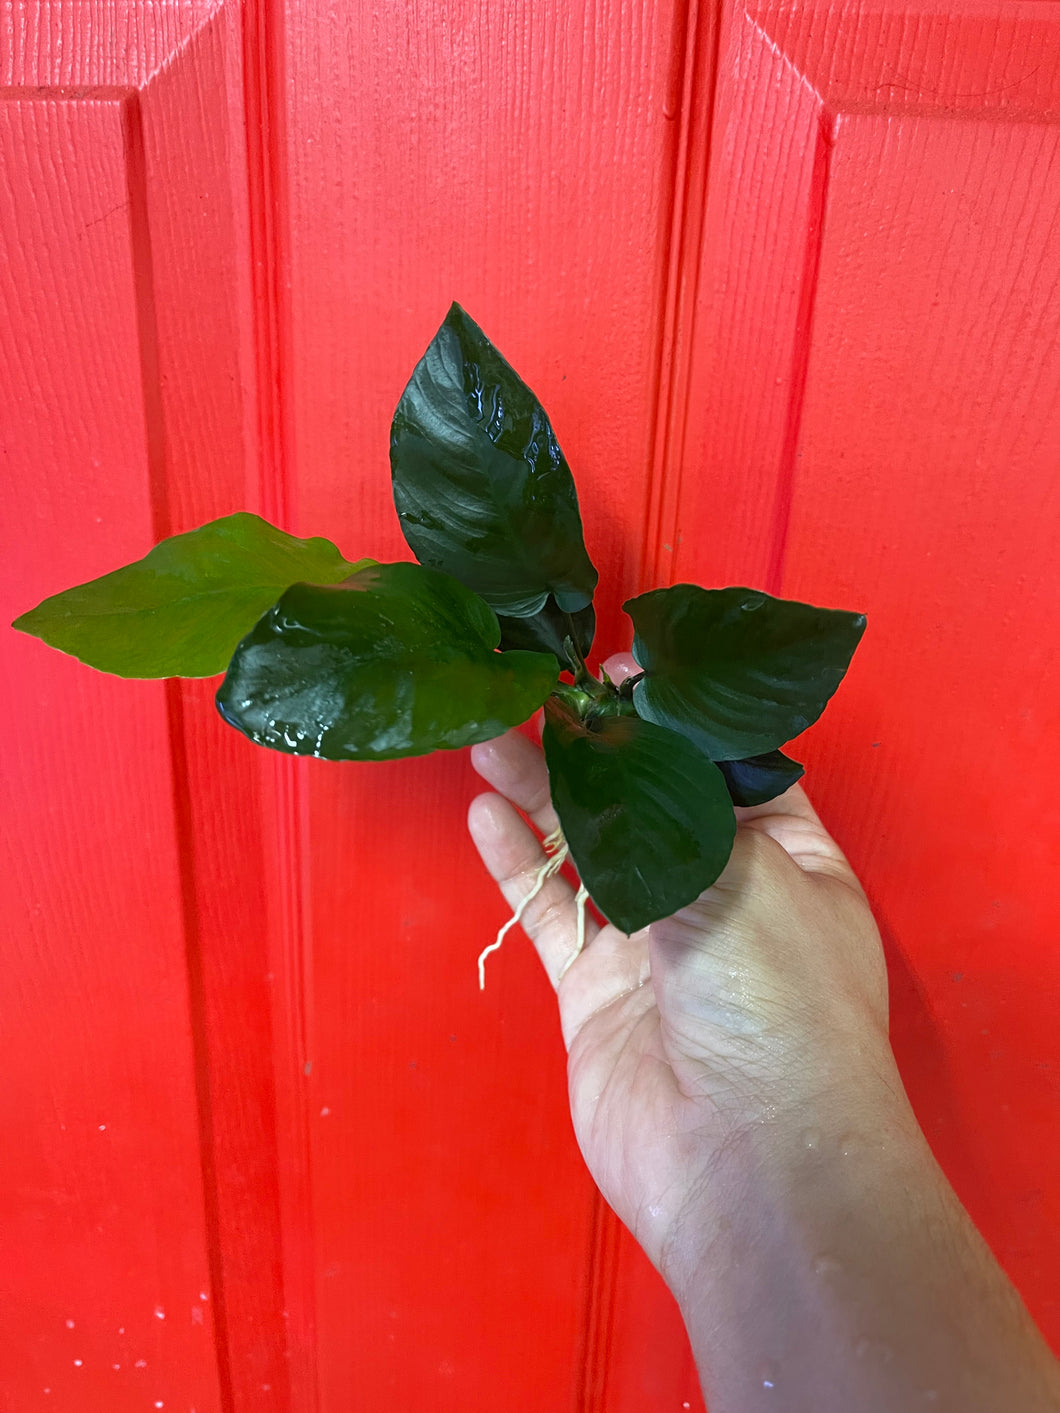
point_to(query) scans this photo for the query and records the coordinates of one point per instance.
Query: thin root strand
(556, 847)
(580, 900)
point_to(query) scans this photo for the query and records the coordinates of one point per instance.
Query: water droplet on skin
(811, 1137)
(767, 1374)
(826, 1266)
(871, 1349)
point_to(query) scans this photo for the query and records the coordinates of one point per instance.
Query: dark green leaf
(180, 611)
(546, 631)
(481, 487)
(737, 671)
(760, 778)
(397, 661)
(647, 816)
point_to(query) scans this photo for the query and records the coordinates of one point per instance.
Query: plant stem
(582, 676)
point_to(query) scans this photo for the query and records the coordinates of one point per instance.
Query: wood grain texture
(521, 160)
(874, 415)
(131, 413)
(105, 1297)
(795, 330)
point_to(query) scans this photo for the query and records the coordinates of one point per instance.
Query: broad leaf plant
(367, 661)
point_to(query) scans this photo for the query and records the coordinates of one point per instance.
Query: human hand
(754, 1018)
(735, 1097)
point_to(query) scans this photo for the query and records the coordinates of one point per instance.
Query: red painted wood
(793, 332)
(105, 1272)
(129, 357)
(522, 162)
(874, 412)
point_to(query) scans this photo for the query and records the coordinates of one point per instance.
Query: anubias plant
(368, 661)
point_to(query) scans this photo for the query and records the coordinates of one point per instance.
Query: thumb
(796, 826)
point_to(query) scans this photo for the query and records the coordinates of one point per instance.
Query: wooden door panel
(101, 1289)
(523, 163)
(793, 333)
(141, 1225)
(874, 413)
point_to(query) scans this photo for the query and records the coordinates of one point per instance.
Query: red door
(786, 279)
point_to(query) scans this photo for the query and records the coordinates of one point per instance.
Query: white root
(581, 898)
(556, 847)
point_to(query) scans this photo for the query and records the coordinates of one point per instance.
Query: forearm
(839, 1272)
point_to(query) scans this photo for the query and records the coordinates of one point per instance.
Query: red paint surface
(786, 282)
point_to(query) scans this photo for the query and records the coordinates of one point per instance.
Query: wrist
(833, 1267)
(792, 1166)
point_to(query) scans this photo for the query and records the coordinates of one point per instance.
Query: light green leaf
(181, 610)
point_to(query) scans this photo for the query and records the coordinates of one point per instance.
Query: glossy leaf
(181, 610)
(546, 632)
(481, 487)
(735, 670)
(397, 661)
(647, 816)
(760, 778)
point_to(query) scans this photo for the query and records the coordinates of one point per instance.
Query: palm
(632, 1118)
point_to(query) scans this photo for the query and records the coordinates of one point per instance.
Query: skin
(736, 1099)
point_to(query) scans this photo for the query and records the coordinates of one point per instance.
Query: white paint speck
(103, 1128)
(121, 1329)
(159, 1403)
(47, 1390)
(69, 1324)
(325, 1112)
(78, 1363)
(266, 1388)
(196, 1314)
(203, 1295)
(160, 1314)
(140, 1364)
(115, 1366)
